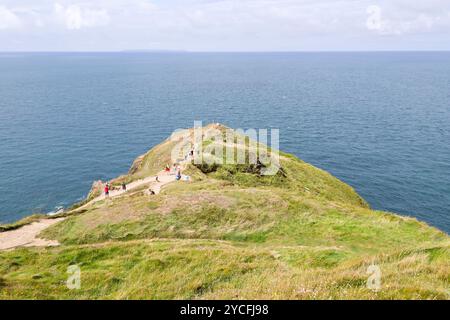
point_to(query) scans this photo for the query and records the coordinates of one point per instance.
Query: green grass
(200, 269)
(233, 233)
(258, 215)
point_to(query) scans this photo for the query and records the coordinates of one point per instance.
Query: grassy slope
(163, 269)
(233, 234)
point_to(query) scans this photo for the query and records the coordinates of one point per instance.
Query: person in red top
(106, 191)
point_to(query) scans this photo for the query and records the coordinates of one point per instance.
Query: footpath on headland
(27, 236)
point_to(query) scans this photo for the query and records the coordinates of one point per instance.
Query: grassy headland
(232, 233)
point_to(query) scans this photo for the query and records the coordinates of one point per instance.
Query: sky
(224, 25)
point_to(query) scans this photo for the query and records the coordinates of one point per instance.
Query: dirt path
(163, 177)
(27, 235)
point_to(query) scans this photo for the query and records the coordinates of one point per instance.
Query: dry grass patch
(194, 201)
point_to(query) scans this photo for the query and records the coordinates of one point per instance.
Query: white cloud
(8, 20)
(226, 24)
(75, 17)
(399, 21)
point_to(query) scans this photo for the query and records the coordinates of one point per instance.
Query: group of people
(176, 170)
(109, 188)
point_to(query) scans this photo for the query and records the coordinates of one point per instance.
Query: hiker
(167, 169)
(107, 190)
(124, 186)
(157, 179)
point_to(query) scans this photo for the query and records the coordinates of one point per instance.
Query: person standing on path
(174, 168)
(106, 190)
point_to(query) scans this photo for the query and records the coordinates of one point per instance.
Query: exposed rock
(96, 189)
(136, 164)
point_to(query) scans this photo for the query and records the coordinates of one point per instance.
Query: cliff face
(232, 232)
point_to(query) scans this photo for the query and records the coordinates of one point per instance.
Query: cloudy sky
(224, 25)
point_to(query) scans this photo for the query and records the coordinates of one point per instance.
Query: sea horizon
(232, 51)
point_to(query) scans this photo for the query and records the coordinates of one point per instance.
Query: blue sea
(378, 121)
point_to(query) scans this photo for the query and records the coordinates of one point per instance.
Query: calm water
(378, 121)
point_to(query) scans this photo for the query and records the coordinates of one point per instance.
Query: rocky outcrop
(136, 164)
(96, 189)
